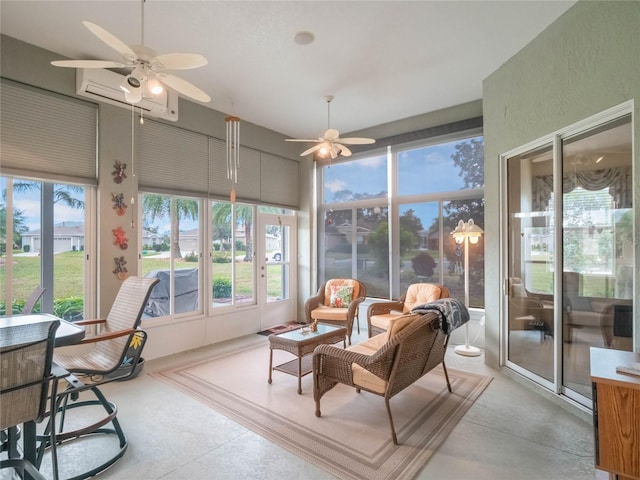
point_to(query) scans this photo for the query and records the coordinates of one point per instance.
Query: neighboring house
(66, 237)
(150, 238)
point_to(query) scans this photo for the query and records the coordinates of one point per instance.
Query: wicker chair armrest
(97, 321)
(108, 336)
(337, 363)
(354, 305)
(312, 303)
(379, 308)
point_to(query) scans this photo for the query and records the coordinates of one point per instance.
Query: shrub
(221, 288)
(71, 308)
(423, 264)
(26, 248)
(221, 258)
(191, 257)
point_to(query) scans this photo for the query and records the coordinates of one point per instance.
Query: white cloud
(335, 185)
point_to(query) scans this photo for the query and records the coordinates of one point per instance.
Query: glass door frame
(273, 313)
(556, 140)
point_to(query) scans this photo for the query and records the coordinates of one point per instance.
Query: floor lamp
(466, 233)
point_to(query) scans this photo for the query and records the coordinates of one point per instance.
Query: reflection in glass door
(597, 212)
(569, 260)
(530, 267)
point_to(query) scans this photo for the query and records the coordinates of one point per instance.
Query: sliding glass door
(569, 258)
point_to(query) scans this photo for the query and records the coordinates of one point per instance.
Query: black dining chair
(26, 353)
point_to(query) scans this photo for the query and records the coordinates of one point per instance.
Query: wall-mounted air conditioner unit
(104, 86)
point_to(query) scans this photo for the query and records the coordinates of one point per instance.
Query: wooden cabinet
(616, 413)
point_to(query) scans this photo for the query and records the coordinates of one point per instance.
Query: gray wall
(585, 62)
(28, 64)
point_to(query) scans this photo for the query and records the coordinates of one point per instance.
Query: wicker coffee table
(301, 344)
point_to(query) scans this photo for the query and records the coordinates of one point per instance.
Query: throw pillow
(341, 296)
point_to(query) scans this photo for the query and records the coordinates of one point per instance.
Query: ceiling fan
(330, 142)
(148, 69)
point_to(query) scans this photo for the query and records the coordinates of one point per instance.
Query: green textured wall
(584, 63)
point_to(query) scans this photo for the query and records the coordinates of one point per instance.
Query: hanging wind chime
(233, 153)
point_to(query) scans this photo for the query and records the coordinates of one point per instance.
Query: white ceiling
(382, 60)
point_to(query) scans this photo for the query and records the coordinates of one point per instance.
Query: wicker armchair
(385, 364)
(116, 351)
(380, 313)
(319, 306)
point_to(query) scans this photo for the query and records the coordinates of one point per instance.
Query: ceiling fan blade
(301, 140)
(357, 141)
(342, 150)
(178, 61)
(315, 148)
(87, 64)
(111, 40)
(183, 87)
(331, 134)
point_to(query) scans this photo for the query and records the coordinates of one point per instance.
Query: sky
(422, 170)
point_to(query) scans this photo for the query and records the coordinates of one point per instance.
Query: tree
(378, 241)
(18, 225)
(469, 157)
(61, 193)
(244, 215)
(411, 223)
(154, 206)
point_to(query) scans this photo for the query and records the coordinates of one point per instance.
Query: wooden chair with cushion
(115, 353)
(384, 364)
(337, 302)
(380, 313)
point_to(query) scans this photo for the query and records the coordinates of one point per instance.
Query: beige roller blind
(279, 180)
(47, 136)
(172, 160)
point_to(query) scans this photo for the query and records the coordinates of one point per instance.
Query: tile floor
(509, 433)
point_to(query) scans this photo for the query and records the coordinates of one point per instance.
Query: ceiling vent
(104, 86)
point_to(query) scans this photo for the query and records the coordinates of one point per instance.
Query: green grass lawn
(69, 277)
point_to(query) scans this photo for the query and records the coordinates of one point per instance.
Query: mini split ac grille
(103, 85)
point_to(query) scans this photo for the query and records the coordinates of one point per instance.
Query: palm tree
(61, 193)
(244, 214)
(155, 206)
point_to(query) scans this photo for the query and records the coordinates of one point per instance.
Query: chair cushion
(329, 313)
(362, 377)
(347, 282)
(341, 296)
(365, 379)
(420, 293)
(382, 320)
(396, 325)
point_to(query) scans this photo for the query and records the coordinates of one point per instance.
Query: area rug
(352, 438)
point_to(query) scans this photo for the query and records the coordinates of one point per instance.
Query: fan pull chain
(142, 23)
(133, 162)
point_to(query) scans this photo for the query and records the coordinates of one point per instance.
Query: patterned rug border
(400, 462)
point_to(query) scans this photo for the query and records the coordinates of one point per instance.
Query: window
(45, 246)
(171, 252)
(438, 184)
(233, 254)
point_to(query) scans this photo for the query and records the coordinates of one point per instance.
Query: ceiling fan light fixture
(133, 96)
(154, 85)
